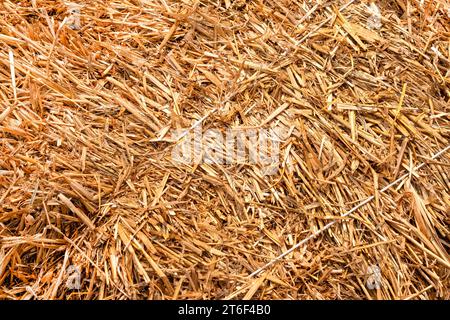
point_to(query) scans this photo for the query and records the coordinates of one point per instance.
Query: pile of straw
(91, 91)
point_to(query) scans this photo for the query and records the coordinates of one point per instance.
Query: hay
(91, 91)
